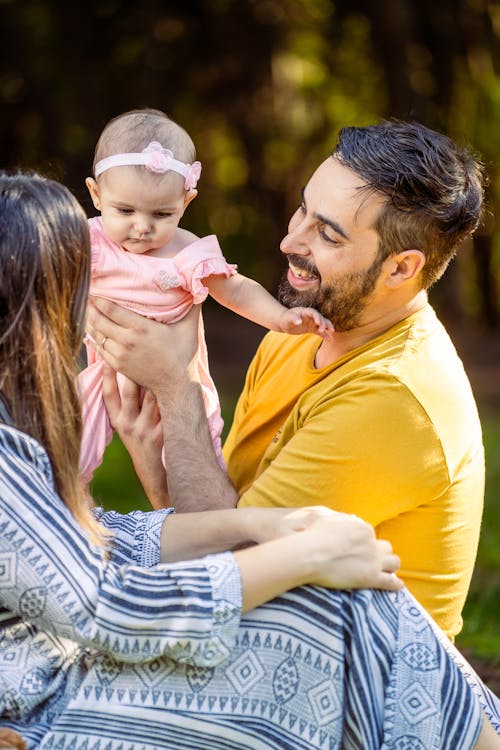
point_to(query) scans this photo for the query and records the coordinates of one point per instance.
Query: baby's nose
(143, 225)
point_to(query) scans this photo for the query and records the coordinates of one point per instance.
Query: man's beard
(342, 301)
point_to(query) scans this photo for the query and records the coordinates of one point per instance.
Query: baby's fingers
(321, 323)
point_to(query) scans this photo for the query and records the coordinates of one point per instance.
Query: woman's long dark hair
(44, 278)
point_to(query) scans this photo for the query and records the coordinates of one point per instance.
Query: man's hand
(134, 414)
(164, 359)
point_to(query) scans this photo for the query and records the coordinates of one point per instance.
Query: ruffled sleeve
(136, 535)
(198, 261)
(53, 577)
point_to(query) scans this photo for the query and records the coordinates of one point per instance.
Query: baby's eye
(125, 211)
(162, 214)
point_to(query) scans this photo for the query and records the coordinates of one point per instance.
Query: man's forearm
(195, 479)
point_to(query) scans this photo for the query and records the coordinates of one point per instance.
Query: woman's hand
(320, 547)
(264, 524)
(134, 415)
(10, 739)
(344, 553)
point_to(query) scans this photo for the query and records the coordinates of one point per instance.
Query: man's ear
(93, 189)
(404, 266)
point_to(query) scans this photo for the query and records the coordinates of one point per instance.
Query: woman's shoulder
(20, 451)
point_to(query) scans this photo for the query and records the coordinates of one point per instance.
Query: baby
(145, 176)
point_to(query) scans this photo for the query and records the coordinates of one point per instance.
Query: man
(378, 419)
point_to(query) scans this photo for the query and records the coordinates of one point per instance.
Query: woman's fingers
(388, 582)
(391, 563)
(349, 556)
(11, 739)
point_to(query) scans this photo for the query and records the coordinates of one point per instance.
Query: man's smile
(301, 277)
(301, 273)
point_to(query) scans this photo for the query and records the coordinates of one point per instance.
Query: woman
(106, 642)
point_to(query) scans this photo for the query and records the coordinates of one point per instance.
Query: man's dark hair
(434, 189)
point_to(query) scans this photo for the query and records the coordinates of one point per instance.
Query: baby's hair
(132, 131)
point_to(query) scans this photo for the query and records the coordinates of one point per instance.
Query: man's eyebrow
(325, 220)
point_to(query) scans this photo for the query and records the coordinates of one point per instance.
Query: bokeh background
(263, 86)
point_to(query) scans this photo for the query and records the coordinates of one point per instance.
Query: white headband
(156, 159)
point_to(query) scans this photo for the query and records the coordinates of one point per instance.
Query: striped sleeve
(54, 577)
(136, 535)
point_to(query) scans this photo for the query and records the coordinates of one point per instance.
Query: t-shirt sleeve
(56, 579)
(366, 448)
(200, 260)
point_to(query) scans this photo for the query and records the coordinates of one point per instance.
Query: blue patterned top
(121, 652)
(61, 595)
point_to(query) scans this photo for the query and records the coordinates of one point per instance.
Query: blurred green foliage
(262, 86)
(481, 632)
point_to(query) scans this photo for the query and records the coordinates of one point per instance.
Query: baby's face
(140, 211)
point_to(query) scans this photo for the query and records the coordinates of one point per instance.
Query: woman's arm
(337, 552)
(251, 300)
(308, 545)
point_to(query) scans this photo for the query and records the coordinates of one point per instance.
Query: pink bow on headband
(192, 175)
(157, 158)
(160, 160)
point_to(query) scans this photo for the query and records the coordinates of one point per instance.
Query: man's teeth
(301, 273)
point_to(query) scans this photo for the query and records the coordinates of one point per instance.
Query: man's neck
(341, 343)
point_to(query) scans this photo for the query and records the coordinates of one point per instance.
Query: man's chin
(289, 296)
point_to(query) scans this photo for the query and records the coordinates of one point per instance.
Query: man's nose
(295, 241)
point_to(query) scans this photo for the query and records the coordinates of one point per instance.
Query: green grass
(115, 486)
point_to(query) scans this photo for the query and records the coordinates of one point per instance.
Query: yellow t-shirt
(389, 432)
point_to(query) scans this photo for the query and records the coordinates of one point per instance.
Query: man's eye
(325, 236)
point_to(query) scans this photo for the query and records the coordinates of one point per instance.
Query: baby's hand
(304, 320)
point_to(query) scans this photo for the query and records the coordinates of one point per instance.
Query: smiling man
(378, 419)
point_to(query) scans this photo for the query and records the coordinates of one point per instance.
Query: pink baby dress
(164, 289)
